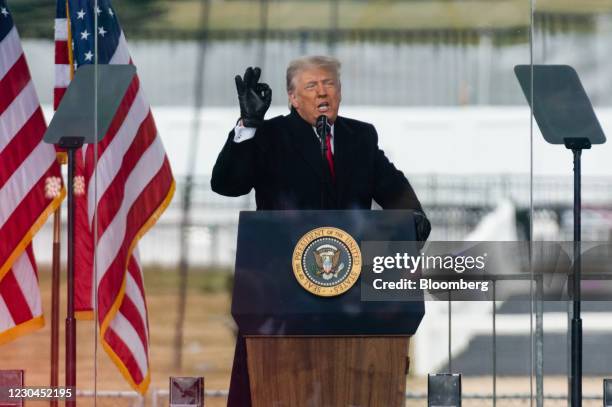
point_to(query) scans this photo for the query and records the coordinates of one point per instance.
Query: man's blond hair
(328, 64)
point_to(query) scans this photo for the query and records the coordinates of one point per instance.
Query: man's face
(316, 92)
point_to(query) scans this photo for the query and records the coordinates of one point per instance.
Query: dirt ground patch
(208, 348)
(208, 341)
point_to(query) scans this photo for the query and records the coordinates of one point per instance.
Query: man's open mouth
(323, 107)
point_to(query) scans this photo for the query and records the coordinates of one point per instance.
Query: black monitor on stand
(565, 116)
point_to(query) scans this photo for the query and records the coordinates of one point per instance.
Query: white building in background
(468, 141)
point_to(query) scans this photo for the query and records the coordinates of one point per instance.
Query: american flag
(134, 186)
(30, 186)
(63, 55)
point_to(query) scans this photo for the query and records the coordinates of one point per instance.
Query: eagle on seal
(327, 258)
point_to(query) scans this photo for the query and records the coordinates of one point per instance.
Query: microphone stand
(321, 127)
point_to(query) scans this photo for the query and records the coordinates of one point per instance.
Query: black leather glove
(254, 97)
(423, 227)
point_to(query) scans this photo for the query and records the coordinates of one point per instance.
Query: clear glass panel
(130, 186)
(566, 34)
(462, 107)
(435, 79)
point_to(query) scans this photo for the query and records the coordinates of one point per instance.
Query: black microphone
(321, 127)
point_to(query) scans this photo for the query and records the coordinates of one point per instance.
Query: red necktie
(330, 157)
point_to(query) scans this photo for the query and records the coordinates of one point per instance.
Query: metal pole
(450, 334)
(530, 238)
(576, 373)
(214, 245)
(494, 348)
(303, 42)
(263, 27)
(186, 215)
(154, 397)
(539, 342)
(569, 348)
(70, 320)
(55, 286)
(334, 19)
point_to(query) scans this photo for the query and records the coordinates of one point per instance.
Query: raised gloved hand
(254, 97)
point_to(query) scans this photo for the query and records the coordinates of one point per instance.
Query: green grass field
(378, 14)
(182, 17)
(288, 15)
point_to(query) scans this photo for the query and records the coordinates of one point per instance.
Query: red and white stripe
(62, 61)
(26, 164)
(134, 185)
(20, 304)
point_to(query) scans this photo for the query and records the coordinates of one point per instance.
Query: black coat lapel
(305, 141)
(344, 147)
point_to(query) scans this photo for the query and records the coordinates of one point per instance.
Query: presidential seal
(326, 261)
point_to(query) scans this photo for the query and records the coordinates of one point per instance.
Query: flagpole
(71, 144)
(55, 286)
(186, 198)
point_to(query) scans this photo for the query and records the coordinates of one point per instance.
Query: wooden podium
(328, 371)
(307, 350)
